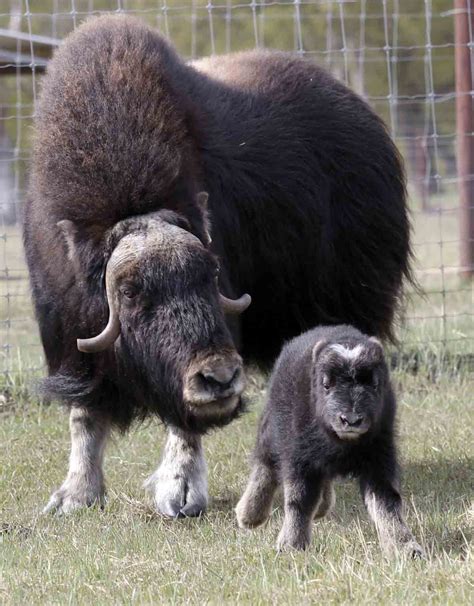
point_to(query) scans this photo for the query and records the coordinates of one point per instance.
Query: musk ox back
(161, 190)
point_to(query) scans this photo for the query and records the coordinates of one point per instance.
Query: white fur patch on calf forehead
(347, 352)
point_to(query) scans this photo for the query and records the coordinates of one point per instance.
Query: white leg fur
(392, 531)
(179, 486)
(84, 483)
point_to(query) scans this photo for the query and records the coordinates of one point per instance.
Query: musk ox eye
(365, 377)
(129, 292)
(328, 381)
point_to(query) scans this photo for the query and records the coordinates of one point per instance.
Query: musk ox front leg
(384, 506)
(302, 497)
(327, 501)
(255, 505)
(178, 488)
(84, 484)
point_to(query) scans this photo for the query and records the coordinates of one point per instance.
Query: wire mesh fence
(398, 54)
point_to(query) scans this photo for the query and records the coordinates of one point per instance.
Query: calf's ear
(320, 345)
(202, 199)
(377, 347)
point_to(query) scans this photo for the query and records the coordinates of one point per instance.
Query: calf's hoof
(290, 540)
(249, 516)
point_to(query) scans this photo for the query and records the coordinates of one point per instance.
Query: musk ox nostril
(351, 420)
(216, 381)
(221, 377)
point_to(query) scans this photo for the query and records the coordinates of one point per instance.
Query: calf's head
(347, 386)
(166, 321)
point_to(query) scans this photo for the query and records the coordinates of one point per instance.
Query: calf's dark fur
(330, 412)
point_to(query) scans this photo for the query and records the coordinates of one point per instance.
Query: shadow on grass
(443, 492)
(445, 482)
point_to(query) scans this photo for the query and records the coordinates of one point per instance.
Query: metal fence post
(464, 26)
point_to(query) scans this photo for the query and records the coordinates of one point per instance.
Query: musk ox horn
(111, 332)
(122, 256)
(235, 306)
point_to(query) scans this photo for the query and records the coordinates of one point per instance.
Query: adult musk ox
(306, 209)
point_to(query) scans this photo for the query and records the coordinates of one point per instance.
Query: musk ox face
(166, 321)
(347, 386)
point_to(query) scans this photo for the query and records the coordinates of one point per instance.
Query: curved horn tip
(100, 342)
(245, 300)
(235, 306)
(87, 345)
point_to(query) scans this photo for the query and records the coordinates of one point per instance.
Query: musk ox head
(348, 386)
(166, 321)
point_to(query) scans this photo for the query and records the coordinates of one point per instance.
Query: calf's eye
(365, 377)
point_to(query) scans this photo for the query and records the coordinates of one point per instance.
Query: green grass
(126, 554)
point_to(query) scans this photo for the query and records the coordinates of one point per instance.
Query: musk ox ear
(375, 341)
(202, 199)
(81, 247)
(69, 232)
(320, 345)
(174, 218)
(378, 349)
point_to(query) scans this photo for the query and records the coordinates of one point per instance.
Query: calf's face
(166, 321)
(347, 386)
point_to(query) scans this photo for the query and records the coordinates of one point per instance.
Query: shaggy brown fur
(307, 198)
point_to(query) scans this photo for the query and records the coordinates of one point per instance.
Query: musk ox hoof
(75, 495)
(178, 497)
(291, 540)
(414, 550)
(248, 515)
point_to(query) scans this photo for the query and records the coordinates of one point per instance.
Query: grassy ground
(125, 554)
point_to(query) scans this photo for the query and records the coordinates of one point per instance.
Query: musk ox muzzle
(214, 384)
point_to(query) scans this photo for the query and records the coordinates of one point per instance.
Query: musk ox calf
(330, 412)
(160, 192)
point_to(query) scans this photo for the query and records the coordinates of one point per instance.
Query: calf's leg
(256, 503)
(84, 483)
(384, 506)
(178, 488)
(302, 496)
(327, 501)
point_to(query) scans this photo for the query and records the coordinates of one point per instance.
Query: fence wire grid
(398, 54)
